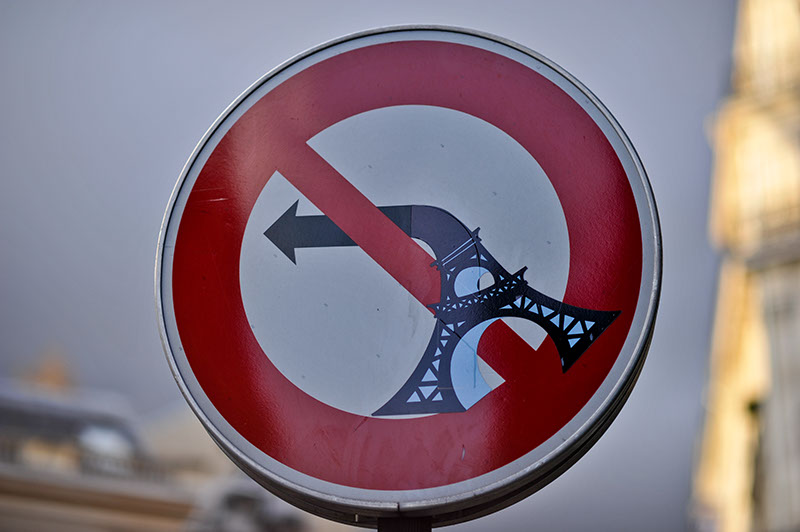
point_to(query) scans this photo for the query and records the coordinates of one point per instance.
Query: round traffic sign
(413, 271)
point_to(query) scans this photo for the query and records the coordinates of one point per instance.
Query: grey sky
(103, 102)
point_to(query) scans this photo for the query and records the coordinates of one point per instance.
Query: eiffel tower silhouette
(447, 378)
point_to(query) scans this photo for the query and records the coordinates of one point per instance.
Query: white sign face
(411, 270)
(402, 155)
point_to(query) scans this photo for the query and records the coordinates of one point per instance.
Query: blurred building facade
(76, 464)
(748, 468)
(73, 460)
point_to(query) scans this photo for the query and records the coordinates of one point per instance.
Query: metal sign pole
(404, 524)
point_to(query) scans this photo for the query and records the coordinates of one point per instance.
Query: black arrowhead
(290, 232)
(283, 233)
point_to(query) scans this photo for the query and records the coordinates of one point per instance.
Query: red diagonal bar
(356, 215)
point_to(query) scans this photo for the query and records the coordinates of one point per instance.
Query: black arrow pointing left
(290, 231)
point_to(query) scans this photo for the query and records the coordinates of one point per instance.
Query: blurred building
(76, 464)
(76, 461)
(748, 468)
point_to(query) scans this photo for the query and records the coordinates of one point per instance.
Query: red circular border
(536, 400)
